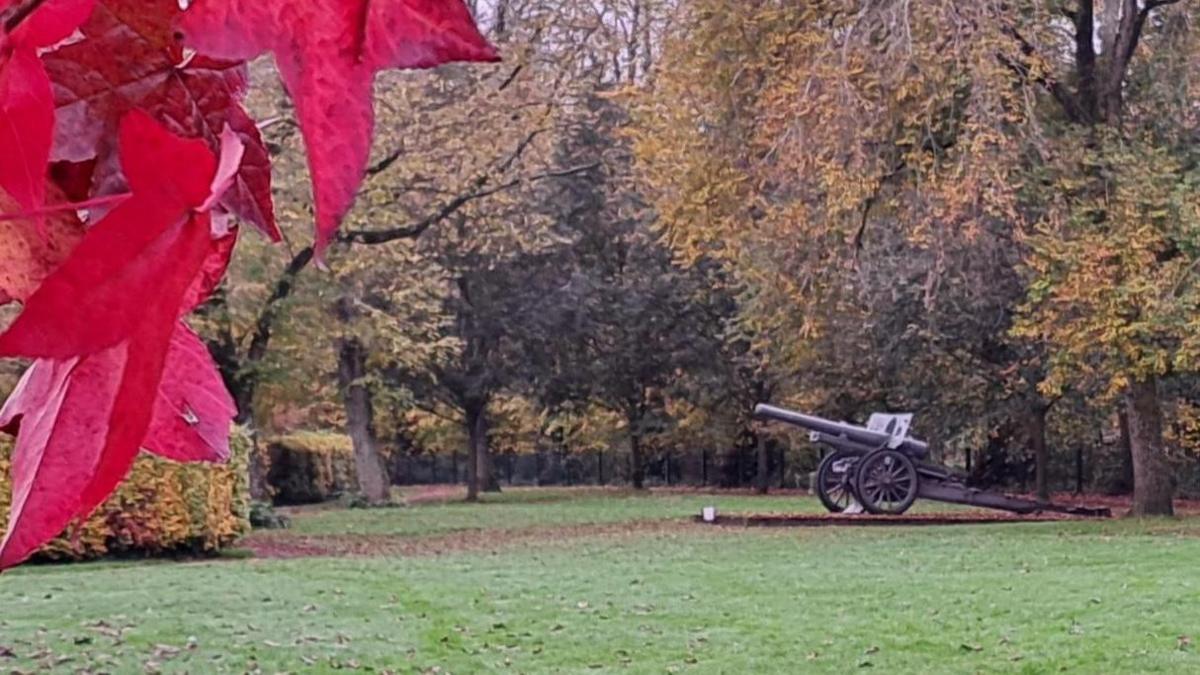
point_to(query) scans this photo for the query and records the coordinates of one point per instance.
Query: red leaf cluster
(106, 111)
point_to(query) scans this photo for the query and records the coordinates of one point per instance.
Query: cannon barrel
(852, 432)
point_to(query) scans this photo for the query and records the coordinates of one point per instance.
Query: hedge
(308, 467)
(161, 508)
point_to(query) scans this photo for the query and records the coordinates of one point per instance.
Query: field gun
(882, 468)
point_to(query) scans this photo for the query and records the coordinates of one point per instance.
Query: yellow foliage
(437, 433)
(517, 424)
(162, 507)
(315, 442)
(589, 428)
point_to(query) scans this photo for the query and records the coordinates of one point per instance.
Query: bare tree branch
(15, 15)
(372, 237)
(1056, 89)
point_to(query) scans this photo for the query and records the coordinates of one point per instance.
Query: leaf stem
(67, 206)
(16, 15)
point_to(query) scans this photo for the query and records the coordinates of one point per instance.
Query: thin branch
(385, 163)
(16, 15)
(859, 235)
(266, 319)
(1138, 24)
(1056, 89)
(372, 237)
(511, 78)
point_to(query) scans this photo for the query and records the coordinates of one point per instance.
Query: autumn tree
(904, 182)
(1112, 249)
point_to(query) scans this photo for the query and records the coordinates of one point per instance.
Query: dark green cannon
(882, 468)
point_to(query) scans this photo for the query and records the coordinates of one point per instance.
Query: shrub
(162, 508)
(310, 466)
(263, 516)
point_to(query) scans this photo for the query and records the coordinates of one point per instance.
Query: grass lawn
(522, 508)
(1037, 597)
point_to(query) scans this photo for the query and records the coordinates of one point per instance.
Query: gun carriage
(883, 468)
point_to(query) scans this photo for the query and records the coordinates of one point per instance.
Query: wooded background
(656, 213)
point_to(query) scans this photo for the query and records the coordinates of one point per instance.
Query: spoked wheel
(887, 482)
(835, 481)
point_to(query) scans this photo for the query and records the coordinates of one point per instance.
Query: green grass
(1041, 597)
(548, 507)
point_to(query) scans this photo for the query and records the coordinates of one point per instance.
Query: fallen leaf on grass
(970, 648)
(165, 651)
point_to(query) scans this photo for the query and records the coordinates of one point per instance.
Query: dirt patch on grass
(440, 494)
(288, 545)
(865, 519)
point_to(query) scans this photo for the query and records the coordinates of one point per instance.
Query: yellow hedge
(310, 466)
(162, 507)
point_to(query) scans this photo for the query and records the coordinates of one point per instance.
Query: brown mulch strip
(285, 545)
(866, 519)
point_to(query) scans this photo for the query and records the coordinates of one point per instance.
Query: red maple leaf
(26, 102)
(28, 255)
(328, 52)
(131, 59)
(192, 411)
(101, 326)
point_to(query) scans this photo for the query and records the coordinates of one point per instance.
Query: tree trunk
(481, 467)
(241, 388)
(637, 469)
(764, 467)
(1041, 455)
(476, 427)
(372, 475)
(1079, 469)
(486, 472)
(260, 487)
(1126, 450)
(1152, 488)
